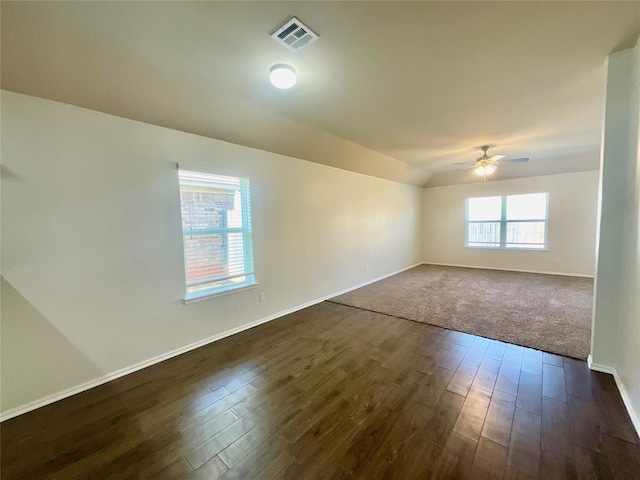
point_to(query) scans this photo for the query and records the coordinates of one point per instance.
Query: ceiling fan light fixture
(486, 165)
(484, 170)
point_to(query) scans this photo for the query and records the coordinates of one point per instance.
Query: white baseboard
(544, 272)
(368, 282)
(46, 400)
(626, 399)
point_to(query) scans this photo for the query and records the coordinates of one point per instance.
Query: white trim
(510, 269)
(509, 249)
(46, 400)
(626, 399)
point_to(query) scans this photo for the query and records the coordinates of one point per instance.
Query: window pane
(483, 234)
(216, 223)
(527, 207)
(205, 257)
(484, 208)
(525, 234)
(208, 208)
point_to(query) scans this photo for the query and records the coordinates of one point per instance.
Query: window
(510, 221)
(216, 228)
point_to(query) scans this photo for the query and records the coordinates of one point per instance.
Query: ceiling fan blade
(496, 157)
(516, 160)
(463, 163)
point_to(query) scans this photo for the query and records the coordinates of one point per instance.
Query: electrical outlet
(261, 296)
(366, 268)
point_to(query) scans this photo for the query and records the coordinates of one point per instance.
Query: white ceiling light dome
(283, 76)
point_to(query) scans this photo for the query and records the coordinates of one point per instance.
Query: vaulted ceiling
(399, 90)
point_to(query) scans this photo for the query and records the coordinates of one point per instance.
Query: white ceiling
(419, 85)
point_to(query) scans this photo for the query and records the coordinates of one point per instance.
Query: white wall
(573, 201)
(92, 246)
(616, 328)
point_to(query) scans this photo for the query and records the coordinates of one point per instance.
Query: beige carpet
(545, 312)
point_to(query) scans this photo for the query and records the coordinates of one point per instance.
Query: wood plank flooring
(335, 392)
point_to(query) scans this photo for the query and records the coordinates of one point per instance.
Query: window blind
(216, 227)
(483, 221)
(509, 221)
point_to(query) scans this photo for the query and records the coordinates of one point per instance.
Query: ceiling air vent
(294, 35)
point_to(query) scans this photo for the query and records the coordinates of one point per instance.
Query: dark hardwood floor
(338, 393)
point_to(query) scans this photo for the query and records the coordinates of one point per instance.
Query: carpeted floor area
(545, 312)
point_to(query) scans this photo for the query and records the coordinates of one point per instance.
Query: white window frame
(504, 222)
(247, 230)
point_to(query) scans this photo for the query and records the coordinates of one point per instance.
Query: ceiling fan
(487, 165)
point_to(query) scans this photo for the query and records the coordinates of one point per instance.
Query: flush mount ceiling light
(283, 76)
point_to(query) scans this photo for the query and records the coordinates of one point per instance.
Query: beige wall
(572, 224)
(92, 246)
(616, 328)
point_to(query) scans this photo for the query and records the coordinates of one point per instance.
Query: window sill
(218, 293)
(517, 249)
